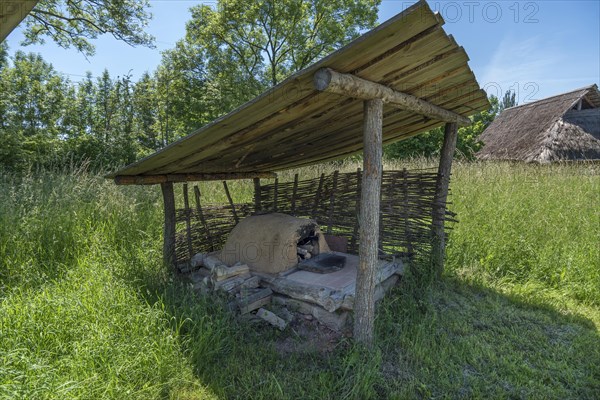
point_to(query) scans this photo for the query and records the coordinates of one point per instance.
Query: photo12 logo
(524, 92)
(488, 11)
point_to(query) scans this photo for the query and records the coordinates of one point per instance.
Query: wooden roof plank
(328, 118)
(409, 125)
(12, 13)
(348, 121)
(410, 53)
(312, 103)
(355, 149)
(414, 19)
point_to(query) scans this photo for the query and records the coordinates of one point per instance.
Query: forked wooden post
(169, 257)
(257, 205)
(364, 303)
(438, 250)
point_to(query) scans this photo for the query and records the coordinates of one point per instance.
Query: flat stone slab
(324, 263)
(331, 291)
(337, 280)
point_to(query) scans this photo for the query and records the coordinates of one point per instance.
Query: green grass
(88, 311)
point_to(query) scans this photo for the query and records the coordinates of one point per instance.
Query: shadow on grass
(466, 341)
(470, 341)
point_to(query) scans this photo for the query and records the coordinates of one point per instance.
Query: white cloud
(533, 67)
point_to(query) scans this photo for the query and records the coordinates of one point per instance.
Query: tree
(35, 95)
(3, 55)
(104, 107)
(241, 48)
(144, 107)
(32, 108)
(74, 22)
(86, 93)
(271, 39)
(123, 146)
(509, 100)
(429, 144)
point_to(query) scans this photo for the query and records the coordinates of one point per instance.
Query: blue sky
(537, 48)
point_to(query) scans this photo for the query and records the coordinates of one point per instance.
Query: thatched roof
(294, 124)
(12, 13)
(547, 130)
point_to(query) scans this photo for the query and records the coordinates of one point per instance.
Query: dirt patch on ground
(307, 335)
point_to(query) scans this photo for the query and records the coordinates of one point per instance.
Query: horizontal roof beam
(328, 80)
(156, 179)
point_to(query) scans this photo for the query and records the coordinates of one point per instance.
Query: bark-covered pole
(332, 81)
(364, 303)
(441, 196)
(169, 227)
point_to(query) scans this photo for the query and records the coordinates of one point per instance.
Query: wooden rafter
(328, 80)
(156, 179)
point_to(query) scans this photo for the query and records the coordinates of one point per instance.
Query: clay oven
(273, 243)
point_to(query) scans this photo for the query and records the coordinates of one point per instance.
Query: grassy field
(87, 310)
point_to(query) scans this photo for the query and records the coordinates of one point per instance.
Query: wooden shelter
(562, 127)
(12, 13)
(400, 79)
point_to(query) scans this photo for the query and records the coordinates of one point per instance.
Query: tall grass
(77, 257)
(88, 311)
(532, 226)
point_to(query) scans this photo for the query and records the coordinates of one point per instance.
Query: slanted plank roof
(12, 13)
(293, 124)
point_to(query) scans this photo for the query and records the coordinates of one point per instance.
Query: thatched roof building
(562, 127)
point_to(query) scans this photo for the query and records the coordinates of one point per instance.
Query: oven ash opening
(308, 247)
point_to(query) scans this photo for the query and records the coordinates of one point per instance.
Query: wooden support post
(317, 197)
(364, 304)
(441, 195)
(294, 194)
(405, 213)
(235, 216)
(188, 221)
(257, 206)
(357, 223)
(275, 195)
(202, 219)
(169, 256)
(332, 202)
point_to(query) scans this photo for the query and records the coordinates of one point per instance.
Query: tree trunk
(169, 257)
(441, 195)
(364, 305)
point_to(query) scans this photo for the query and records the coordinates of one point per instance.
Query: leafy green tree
(72, 23)
(3, 84)
(236, 50)
(3, 55)
(430, 143)
(86, 93)
(35, 90)
(509, 100)
(33, 97)
(164, 99)
(104, 107)
(122, 145)
(145, 114)
(70, 126)
(271, 39)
